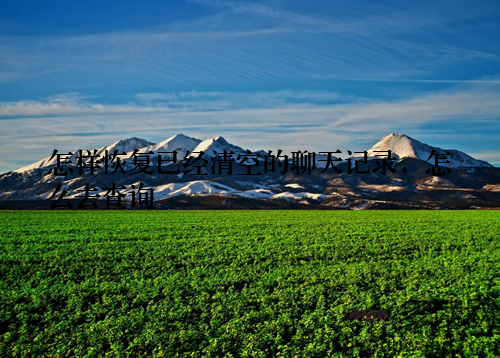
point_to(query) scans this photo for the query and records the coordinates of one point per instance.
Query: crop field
(249, 283)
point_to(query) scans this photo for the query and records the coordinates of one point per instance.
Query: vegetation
(249, 283)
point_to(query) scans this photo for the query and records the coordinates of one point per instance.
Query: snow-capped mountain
(218, 144)
(473, 182)
(124, 145)
(403, 146)
(179, 143)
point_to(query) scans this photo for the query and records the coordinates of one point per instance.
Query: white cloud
(489, 156)
(241, 99)
(252, 119)
(472, 102)
(58, 108)
(249, 43)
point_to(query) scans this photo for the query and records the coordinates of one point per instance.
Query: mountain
(124, 145)
(471, 183)
(403, 146)
(179, 143)
(218, 144)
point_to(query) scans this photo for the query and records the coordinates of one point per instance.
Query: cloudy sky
(272, 74)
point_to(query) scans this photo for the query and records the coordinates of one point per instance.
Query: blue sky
(293, 75)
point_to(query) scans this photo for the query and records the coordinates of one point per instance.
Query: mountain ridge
(472, 181)
(403, 146)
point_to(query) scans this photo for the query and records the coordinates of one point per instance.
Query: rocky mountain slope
(472, 183)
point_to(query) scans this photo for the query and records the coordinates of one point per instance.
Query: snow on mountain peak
(123, 145)
(181, 138)
(403, 146)
(127, 145)
(221, 140)
(218, 144)
(179, 143)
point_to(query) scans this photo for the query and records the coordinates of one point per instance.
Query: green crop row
(249, 283)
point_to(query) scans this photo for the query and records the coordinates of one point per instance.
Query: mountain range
(468, 182)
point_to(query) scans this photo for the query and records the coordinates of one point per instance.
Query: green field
(249, 283)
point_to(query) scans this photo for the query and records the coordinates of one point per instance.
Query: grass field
(249, 283)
